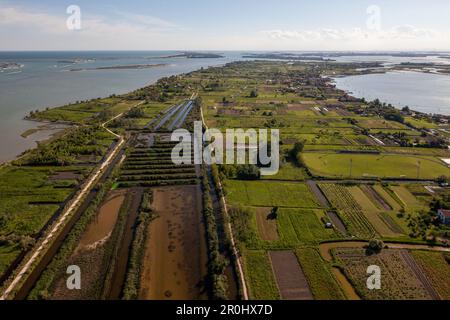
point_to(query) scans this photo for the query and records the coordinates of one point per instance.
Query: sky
(274, 25)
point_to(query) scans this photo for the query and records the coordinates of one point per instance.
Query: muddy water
(101, 228)
(175, 258)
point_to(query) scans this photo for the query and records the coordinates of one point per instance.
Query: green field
(334, 165)
(320, 278)
(258, 272)
(270, 194)
(437, 270)
(300, 226)
(288, 172)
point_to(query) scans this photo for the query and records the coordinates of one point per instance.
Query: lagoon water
(425, 92)
(46, 80)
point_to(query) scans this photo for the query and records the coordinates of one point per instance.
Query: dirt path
(325, 248)
(175, 258)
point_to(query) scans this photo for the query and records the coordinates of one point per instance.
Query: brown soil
(64, 175)
(290, 278)
(102, 226)
(175, 258)
(267, 228)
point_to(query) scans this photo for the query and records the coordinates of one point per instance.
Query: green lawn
(335, 165)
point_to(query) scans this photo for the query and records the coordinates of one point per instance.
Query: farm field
(335, 165)
(270, 194)
(288, 172)
(436, 269)
(258, 271)
(372, 213)
(290, 278)
(411, 203)
(174, 262)
(349, 210)
(320, 278)
(401, 280)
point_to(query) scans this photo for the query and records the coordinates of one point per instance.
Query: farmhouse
(444, 216)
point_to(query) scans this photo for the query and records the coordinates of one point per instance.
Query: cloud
(148, 21)
(121, 30)
(11, 16)
(37, 30)
(398, 37)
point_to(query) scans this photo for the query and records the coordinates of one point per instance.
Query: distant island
(76, 61)
(10, 66)
(192, 55)
(124, 67)
(285, 56)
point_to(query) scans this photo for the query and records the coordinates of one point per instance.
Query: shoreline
(41, 127)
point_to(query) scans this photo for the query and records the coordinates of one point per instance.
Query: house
(444, 216)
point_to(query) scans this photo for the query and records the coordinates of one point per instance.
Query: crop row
(349, 210)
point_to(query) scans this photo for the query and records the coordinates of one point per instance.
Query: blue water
(424, 92)
(45, 81)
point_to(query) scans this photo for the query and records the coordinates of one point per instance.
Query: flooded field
(175, 257)
(91, 254)
(101, 228)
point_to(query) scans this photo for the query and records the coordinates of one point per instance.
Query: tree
(375, 246)
(296, 151)
(254, 93)
(273, 215)
(248, 172)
